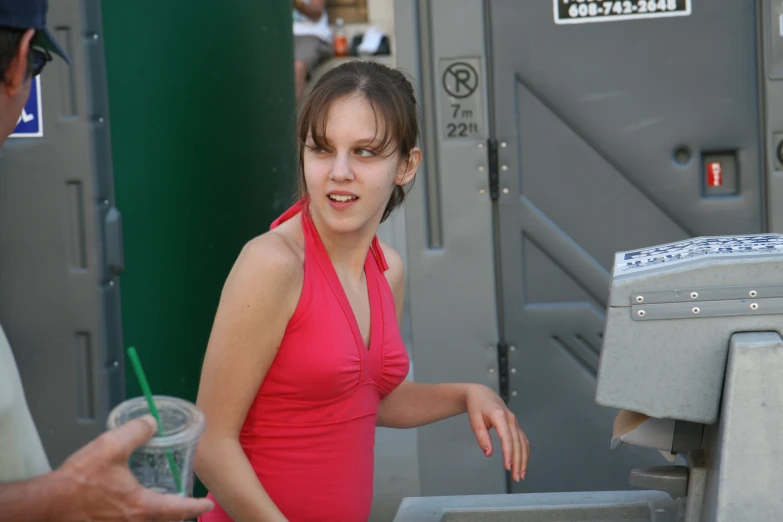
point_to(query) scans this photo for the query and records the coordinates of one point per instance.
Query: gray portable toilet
(182, 173)
(60, 244)
(557, 133)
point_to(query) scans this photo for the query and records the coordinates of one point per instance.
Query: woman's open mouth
(341, 201)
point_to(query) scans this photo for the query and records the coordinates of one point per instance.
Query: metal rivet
(502, 144)
(640, 313)
(481, 145)
(513, 370)
(694, 295)
(505, 191)
(481, 168)
(682, 155)
(639, 299)
(695, 310)
(512, 347)
(504, 168)
(754, 306)
(491, 370)
(514, 393)
(482, 192)
(111, 283)
(753, 293)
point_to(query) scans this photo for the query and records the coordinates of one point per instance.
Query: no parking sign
(30, 124)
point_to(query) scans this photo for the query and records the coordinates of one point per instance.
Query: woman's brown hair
(389, 93)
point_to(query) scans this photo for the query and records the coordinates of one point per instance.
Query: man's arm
(312, 9)
(96, 484)
(40, 498)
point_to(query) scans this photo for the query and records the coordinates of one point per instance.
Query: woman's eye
(364, 153)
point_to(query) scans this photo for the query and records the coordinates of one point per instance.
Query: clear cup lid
(181, 422)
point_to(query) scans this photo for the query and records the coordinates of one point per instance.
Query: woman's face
(350, 181)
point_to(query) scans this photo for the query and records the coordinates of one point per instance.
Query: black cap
(31, 14)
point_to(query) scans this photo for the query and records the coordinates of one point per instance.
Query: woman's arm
(413, 404)
(257, 302)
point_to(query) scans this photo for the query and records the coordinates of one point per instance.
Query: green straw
(145, 387)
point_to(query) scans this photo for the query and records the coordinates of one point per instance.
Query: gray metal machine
(557, 133)
(694, 336)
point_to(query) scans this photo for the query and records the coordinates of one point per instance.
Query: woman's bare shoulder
(274, 257)
(285, 240)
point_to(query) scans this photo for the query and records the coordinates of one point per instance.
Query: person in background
(312, 40)
(95, 483)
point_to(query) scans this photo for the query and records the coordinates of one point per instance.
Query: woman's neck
(347, 252)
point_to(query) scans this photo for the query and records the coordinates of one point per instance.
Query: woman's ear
(409, 167)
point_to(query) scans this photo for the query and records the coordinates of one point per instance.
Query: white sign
(461, 98)
(586, 11)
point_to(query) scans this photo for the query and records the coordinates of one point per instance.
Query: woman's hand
(486, 410)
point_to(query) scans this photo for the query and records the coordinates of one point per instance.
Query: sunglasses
(39, 58)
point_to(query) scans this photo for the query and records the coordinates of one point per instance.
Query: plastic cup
(181, 427)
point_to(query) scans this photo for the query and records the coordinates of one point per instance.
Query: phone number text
(587, 8)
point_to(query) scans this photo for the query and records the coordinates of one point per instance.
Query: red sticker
(714, 174)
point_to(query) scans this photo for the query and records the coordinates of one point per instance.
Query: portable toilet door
(557, 133)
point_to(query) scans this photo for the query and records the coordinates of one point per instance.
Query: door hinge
(494, 171)
(503, 383)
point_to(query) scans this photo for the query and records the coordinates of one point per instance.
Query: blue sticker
(30, 124)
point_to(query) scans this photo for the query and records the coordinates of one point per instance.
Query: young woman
(305, 357)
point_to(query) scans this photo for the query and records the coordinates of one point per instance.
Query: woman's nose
(341, 168)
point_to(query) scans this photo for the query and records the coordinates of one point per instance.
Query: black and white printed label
(699, 247)
(585, 11)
